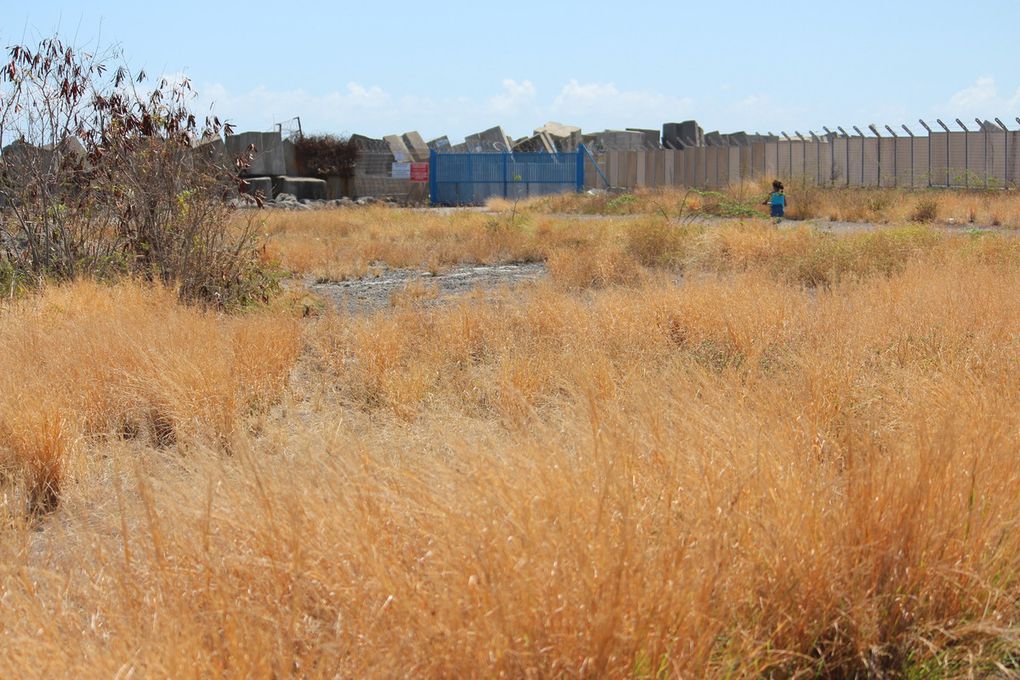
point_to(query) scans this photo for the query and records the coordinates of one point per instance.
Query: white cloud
(983, 100)
(975, 97)
(514, 96)
(615, 107)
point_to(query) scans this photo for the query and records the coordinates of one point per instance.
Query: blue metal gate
(472, 178)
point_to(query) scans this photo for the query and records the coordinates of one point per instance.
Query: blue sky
(457, 67)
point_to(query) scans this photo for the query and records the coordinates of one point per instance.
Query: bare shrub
(325, 156)
(110, 175)
(926, 210)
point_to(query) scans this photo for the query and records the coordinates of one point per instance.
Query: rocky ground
(392, 286)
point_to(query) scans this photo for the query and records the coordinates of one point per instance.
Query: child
(776, 200)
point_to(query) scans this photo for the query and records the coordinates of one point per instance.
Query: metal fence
(473, 178)
(943, 157)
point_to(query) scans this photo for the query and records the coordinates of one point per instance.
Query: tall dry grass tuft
(84, 362)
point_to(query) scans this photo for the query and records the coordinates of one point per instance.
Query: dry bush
(324, 156)
(657, 242)
(111, 177)
(926, 210)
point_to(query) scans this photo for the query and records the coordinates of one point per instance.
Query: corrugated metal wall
(957, 159)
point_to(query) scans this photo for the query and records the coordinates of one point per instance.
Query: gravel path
(377, 292)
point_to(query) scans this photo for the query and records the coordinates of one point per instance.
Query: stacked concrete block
(738, 139)
(370, 144)
(440, 144)
(300, 187)
(261, 186)
(381, 187)
(493, 140)
(683, 135)
(651, 137)
(290, 165)
(540, 142)
(417, 146)
(22, 154)
(615, 140)
(398, 148)
(714, 139)
(269, 154)
(214, 150)
(565, 137)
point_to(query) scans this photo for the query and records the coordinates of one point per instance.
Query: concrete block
(714, 139)
(615, 140)
(400, 152)
(493, 140)
(262, 186)
(370, 143)
(419, 149)
(289, 158)
(22, 154)
(651, 137)
(539, 143)
(459, 148)
(381, 187)
(300, 187)
(738, 139)
(682, 135)
(268, 158)
(338, 187)
(565, 137)
(440, 144)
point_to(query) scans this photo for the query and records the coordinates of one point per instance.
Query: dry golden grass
(87, 362)
(798, 460)
(340, 244)
(885, 206)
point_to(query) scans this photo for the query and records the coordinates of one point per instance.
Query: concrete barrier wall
(955, 159)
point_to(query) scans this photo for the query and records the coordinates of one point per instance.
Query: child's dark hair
(777, 185)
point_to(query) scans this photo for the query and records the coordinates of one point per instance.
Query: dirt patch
(380, 291)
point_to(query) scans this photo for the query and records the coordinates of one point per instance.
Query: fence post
(1005, 154)
(946, 128)
(984, 154)
(861, 135)
(506, 169)
(818, 154)
(925, 126)
(907, 130)
(433, 184)
(966, 153)
(846, 136)
(895, 153)
(580, 168)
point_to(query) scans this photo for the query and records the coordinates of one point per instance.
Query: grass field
(711, 449)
